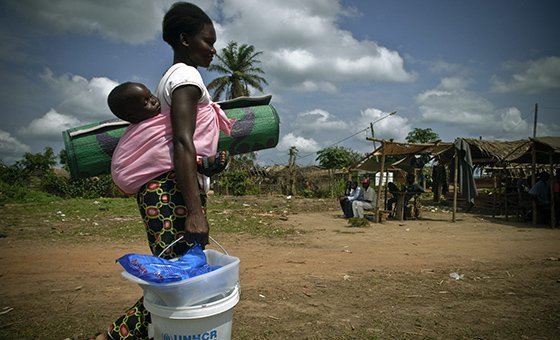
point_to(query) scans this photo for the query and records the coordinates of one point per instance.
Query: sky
(471, 69)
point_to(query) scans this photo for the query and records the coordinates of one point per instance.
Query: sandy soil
(328, 281)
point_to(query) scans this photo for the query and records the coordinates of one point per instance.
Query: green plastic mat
(90, 147)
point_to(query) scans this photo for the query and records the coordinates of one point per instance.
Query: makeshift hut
(502, 159)
(511, 163)
(405, 152)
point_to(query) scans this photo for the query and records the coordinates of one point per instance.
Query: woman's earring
(184, 42)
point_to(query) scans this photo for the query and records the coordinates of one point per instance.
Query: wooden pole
(455, 175)
(377, 212)
(551, 186)
(505, 197)
(535, 121)
(494, 197)
(534, 169)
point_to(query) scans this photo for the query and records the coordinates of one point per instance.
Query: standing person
(191, 125)
(439, 181)
(540, 193)
(367, 202)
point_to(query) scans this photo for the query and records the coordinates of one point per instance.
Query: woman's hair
(183, 17)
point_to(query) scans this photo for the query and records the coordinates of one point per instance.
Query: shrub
(237, 183)
(93, 187)
(17, 193)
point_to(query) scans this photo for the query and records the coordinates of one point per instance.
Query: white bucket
(210, 321)
(195, 290)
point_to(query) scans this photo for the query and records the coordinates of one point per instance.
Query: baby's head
(133, 102)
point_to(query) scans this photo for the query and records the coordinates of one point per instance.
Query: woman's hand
(196, 228)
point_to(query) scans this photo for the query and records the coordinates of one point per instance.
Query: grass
(355, 222)
(78, 220)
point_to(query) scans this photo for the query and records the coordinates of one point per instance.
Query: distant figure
(393, 188)
(412, 187)
(367, 202)
(540, 193)
(439, 184)
(356, 193)
(348, 190)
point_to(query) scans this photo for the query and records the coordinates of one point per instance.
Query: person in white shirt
(356, 193)
(367, 202)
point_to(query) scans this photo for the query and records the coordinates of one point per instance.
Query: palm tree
(237, 63)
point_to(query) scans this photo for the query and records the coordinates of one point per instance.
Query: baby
(135, 103)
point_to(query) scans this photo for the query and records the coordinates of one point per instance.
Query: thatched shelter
(502, 158)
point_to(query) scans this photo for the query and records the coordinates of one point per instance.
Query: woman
(171, 204)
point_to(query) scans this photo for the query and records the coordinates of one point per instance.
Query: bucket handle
(180, 238)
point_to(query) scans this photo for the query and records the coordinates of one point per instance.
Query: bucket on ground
(209, 321)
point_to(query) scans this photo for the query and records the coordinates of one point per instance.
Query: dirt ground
(327, 281)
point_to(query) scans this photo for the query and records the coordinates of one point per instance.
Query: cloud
(317, 129)
(304, 145)
(531, 77)
(79, 97)
(129, 21)
(451, 103)
(318, 122)
(455, 107)
(384, 126)
(13, 49)
(304, 47)
(11, 148)
(49, 126)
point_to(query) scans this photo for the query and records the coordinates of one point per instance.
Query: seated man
(393, 189)
(346, 202)
(412, 189)
(348, 190)
(367, 202)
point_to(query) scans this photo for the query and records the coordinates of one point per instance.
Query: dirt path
(328, 281)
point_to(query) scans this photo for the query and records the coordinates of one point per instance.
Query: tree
(422, 136)
(237, 63)
(337, 157)
(63, 158)
(38, 163)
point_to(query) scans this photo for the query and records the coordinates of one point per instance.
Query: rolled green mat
(90, 147)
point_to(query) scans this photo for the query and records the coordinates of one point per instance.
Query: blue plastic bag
(155, 269)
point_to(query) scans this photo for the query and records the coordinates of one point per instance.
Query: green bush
(93, 187)
(237, 183)
(14, 174)
(17, 193)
